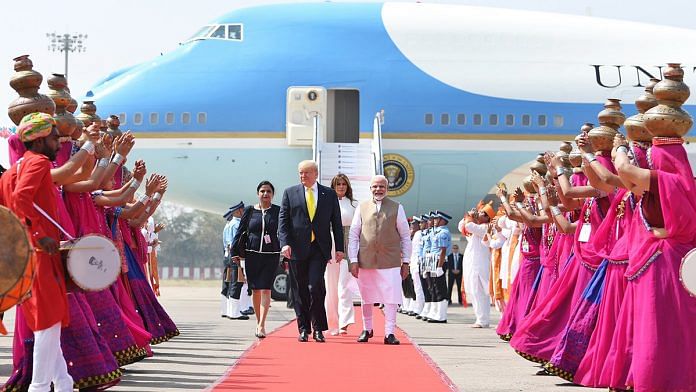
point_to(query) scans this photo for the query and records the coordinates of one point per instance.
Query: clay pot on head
(612, 116)
(566, 147)
(72, 107)
(602, 138)
(668, 119)
(635, 129)
(539, 165)
(112, 124)
(26, 82)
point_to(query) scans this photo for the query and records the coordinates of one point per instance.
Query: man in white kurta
(379, 251)
(477, 265)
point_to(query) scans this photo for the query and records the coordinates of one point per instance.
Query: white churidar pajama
(49, 364)
(380, 285)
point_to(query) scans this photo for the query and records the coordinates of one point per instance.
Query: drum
(93, 262)
(687, 272)
(17, 264)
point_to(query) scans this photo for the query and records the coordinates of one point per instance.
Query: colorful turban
(35, 126)
(488, 210)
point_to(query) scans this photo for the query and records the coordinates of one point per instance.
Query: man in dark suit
(454, 273)
(309, 213)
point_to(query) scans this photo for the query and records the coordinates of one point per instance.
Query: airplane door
(343, 116)
(302, 105)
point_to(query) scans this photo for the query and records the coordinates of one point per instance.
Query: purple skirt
(578, 332)
(157, 321)
(520, 292)
(113, 328)
(89, 359)
(20, 379)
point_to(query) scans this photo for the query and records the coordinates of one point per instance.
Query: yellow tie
(311, 207)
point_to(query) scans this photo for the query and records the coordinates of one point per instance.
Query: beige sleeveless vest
(380, 243)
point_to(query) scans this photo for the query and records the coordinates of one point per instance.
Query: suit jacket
(450, 261)
(295, 228)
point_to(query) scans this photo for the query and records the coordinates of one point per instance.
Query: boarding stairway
(359, 161)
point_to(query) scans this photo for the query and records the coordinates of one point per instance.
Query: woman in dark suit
(262, 251)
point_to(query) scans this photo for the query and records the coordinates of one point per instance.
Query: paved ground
(476, 360)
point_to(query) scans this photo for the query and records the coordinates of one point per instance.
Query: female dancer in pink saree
(521, 289)
(654, 342)
(536, 339)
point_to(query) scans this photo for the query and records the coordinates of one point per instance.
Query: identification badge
(525, 247)
(267, 239)
(585, 232)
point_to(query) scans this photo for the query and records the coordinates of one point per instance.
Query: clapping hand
(139, 170)
(519, 195)
(619, 140)
(584, 143)
(159, 227)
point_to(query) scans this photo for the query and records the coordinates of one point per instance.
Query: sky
(127, 32)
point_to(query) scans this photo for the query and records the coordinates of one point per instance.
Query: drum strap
(42, 212)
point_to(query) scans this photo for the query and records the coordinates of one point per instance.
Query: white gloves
(438, 272)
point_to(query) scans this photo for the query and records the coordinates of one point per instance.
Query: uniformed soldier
(426, 267)
(408, 292)
(231, 287)
(416, 246)
(441, 248)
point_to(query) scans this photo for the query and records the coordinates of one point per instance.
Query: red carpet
(281, 363)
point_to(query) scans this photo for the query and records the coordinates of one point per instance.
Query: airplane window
(202, 118)
(541, 120)
(169, 118)
(444, 119)
(509, 120)
(478, 120)
(493, 119)
(186, 118)
(219, 32)
(429, 119)
(138, 118)
(234, 32)
(122, 118)
(154, 118)
(558, 121)
(461, 119)
(526, 120)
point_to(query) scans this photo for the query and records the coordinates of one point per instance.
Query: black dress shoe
(425, 319)
(247, 312)
(318, 336)
(304, 336)
(242, 317)
(365, 336)
(391, 339)
(412, 314)
(419, 317)
(438, 321)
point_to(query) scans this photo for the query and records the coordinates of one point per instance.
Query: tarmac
(474, 359)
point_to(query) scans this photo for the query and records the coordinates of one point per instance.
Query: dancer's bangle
(118, 159)
(89, 147)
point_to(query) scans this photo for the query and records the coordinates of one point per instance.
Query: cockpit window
(219, 32)
(229, 32)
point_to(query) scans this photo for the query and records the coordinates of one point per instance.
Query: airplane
(462, 95)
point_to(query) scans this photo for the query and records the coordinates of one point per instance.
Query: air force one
(446, 99)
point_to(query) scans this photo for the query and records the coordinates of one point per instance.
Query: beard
(379, 197)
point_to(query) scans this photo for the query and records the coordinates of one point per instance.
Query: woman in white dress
(340, 284)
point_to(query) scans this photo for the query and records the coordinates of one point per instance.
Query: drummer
(26, 183)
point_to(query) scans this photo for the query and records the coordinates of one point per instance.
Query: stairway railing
(377, 155)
